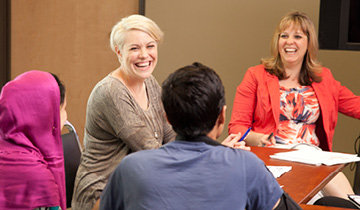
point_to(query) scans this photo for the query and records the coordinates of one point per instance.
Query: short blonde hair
(311, 67)
(134, 22)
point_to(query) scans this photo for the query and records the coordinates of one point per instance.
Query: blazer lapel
(319, 91)
(272, 83)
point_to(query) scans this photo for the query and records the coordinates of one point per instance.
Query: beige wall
(69, 38)
(232, 35)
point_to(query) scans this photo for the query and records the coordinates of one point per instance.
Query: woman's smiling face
(139, 54)
(293, 44)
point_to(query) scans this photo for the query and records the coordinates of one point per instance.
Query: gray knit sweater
(116, 126)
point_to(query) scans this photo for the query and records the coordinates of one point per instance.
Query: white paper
(316, 157)
(277, 171)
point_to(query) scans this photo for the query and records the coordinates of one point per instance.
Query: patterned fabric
(299, 111)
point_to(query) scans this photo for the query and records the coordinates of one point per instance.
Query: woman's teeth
(142, 64)
(290, 50)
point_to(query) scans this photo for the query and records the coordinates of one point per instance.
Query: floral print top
(299, 111)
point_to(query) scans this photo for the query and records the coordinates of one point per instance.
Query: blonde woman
(124, 111)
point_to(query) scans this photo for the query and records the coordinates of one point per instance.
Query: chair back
(72, 154)
(356, 186)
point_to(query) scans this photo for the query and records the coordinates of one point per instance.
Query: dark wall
(4, 42)
(339, 25)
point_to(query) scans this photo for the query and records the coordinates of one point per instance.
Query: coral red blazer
(257, 104)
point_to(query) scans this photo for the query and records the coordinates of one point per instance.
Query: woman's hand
(233, 141)
(259, 139)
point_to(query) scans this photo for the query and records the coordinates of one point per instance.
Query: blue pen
(245, 134)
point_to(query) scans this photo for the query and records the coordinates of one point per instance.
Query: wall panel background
(68, 38)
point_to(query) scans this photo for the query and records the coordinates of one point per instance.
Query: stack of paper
(316, 157)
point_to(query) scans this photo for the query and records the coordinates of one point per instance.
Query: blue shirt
(191, 175)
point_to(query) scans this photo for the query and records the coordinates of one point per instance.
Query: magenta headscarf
(31, 153)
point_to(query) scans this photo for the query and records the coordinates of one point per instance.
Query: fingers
(267, 140)
(241, 145)
(231, 140)
(236, 137)
(273, 140)
(258, 139)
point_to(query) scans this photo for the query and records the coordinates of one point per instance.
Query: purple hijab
(31, 153)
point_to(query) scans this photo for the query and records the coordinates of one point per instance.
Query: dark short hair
(193, 97)
(61, 87)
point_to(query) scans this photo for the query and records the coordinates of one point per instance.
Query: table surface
(304, 180)
(313, 207)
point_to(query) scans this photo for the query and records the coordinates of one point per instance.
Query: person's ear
(222, 115)
(118, 52)
(220, 122)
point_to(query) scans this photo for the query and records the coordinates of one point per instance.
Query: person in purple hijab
(32, 113)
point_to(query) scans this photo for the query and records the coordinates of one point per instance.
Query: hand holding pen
(233, 141)
(268, 139)
(243, 137)
(258, 139)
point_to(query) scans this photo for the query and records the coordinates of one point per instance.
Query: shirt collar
(204, 138)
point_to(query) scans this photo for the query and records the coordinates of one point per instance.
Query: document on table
(316, 157)
(277, 171)
(296, 146)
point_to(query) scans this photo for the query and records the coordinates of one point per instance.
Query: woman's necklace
(140, 96)
(152, 122)
(142, 100)
(150, 117)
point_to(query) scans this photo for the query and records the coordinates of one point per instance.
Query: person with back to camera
(124, 111)
(291, 95)
(32, 114)
(194, 171)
